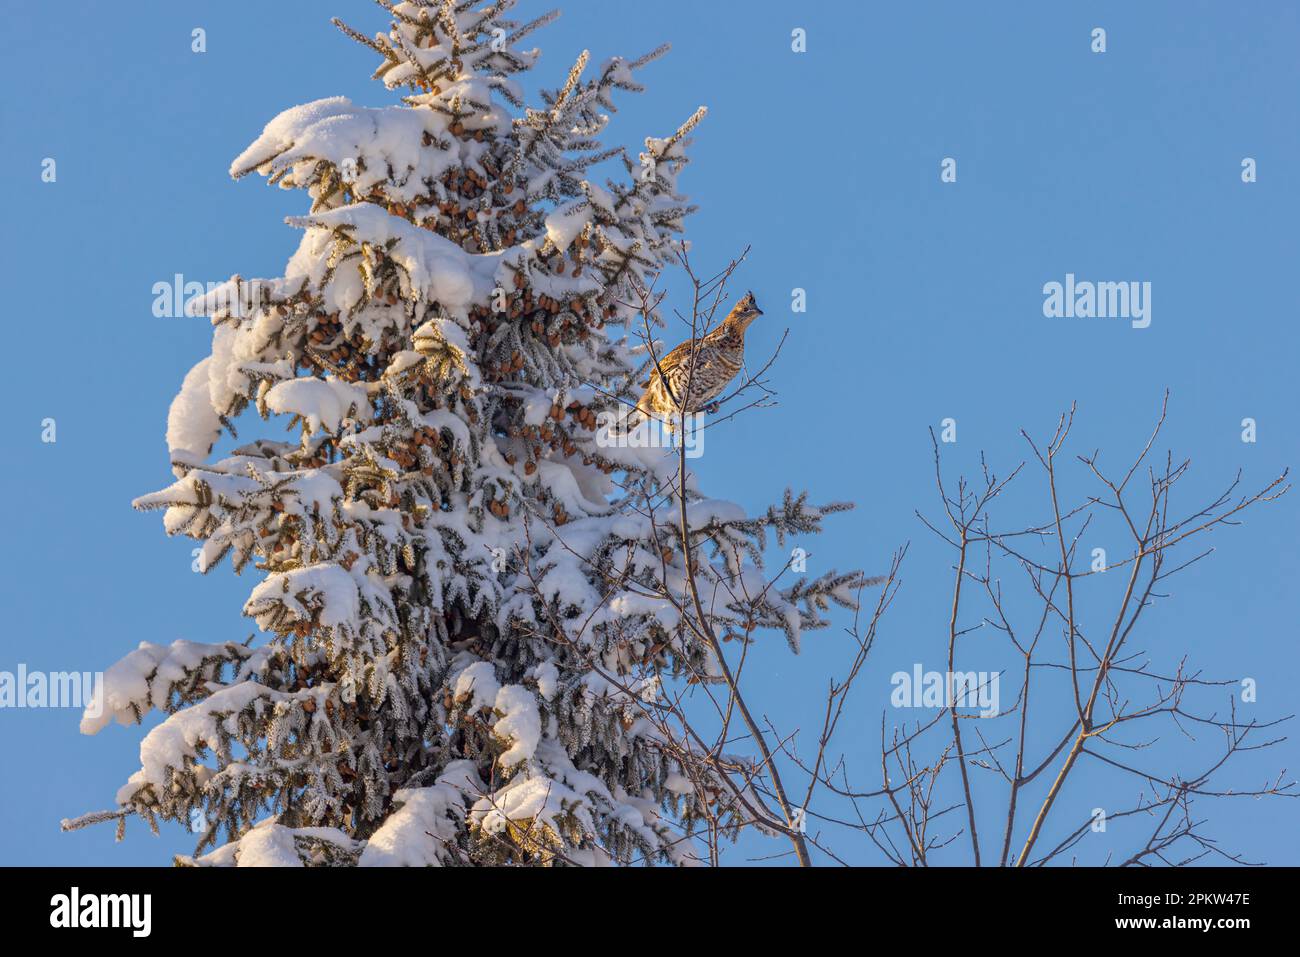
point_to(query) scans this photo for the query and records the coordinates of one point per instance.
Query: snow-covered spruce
(467, 619)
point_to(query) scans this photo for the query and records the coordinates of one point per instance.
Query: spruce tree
(469, 614)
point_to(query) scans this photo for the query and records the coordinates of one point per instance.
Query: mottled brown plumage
(706, 365)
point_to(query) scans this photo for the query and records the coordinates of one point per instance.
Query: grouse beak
(744, 312)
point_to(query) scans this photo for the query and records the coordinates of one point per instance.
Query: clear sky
(925, 302)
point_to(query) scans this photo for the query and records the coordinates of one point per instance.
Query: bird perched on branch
(705, 366)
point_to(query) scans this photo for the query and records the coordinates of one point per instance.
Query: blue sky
(924, 303)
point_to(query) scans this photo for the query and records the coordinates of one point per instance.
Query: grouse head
(743, 313)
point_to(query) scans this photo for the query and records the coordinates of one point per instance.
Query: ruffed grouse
(718, 356)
